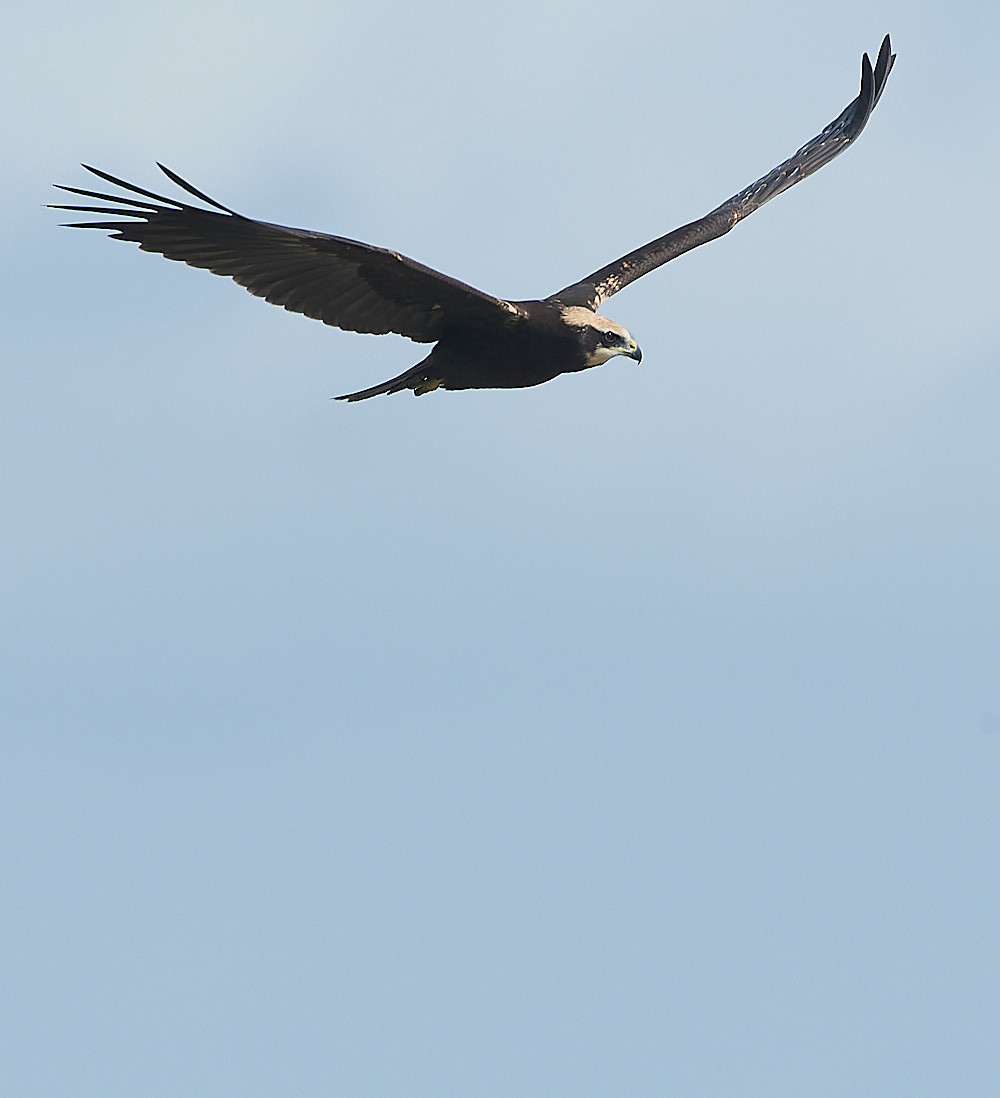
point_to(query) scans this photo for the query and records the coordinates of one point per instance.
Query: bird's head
(600, 338)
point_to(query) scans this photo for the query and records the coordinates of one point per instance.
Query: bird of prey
(481, 342)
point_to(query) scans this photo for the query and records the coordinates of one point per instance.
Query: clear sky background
(637, 734)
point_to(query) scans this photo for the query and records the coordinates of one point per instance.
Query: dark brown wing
(599, 286)
(342, 282)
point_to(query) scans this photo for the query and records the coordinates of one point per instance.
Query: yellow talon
(427, 386)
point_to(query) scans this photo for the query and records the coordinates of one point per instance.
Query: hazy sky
(637, 734)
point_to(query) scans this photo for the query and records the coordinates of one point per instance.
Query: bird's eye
(610, 339)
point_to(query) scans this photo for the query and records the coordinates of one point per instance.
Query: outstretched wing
(598, 287)
(342, 282)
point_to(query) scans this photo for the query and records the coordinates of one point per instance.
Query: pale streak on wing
(344, 283)
(592, 291)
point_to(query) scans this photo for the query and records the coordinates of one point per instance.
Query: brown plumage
(481, 341)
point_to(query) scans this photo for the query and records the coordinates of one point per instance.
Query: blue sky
(637, 733)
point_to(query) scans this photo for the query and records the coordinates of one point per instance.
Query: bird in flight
(480, 341)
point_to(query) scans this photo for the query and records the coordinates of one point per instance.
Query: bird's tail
(418, 378)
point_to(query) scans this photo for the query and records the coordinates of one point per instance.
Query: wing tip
(883, 66)
(873, 81)
(175, 178)
(867, 78)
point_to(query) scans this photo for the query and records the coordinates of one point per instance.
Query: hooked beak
(633, 351)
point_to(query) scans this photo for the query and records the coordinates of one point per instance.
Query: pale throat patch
(600, 354)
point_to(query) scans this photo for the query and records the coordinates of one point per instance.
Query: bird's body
(533, 345)
(481, 342)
